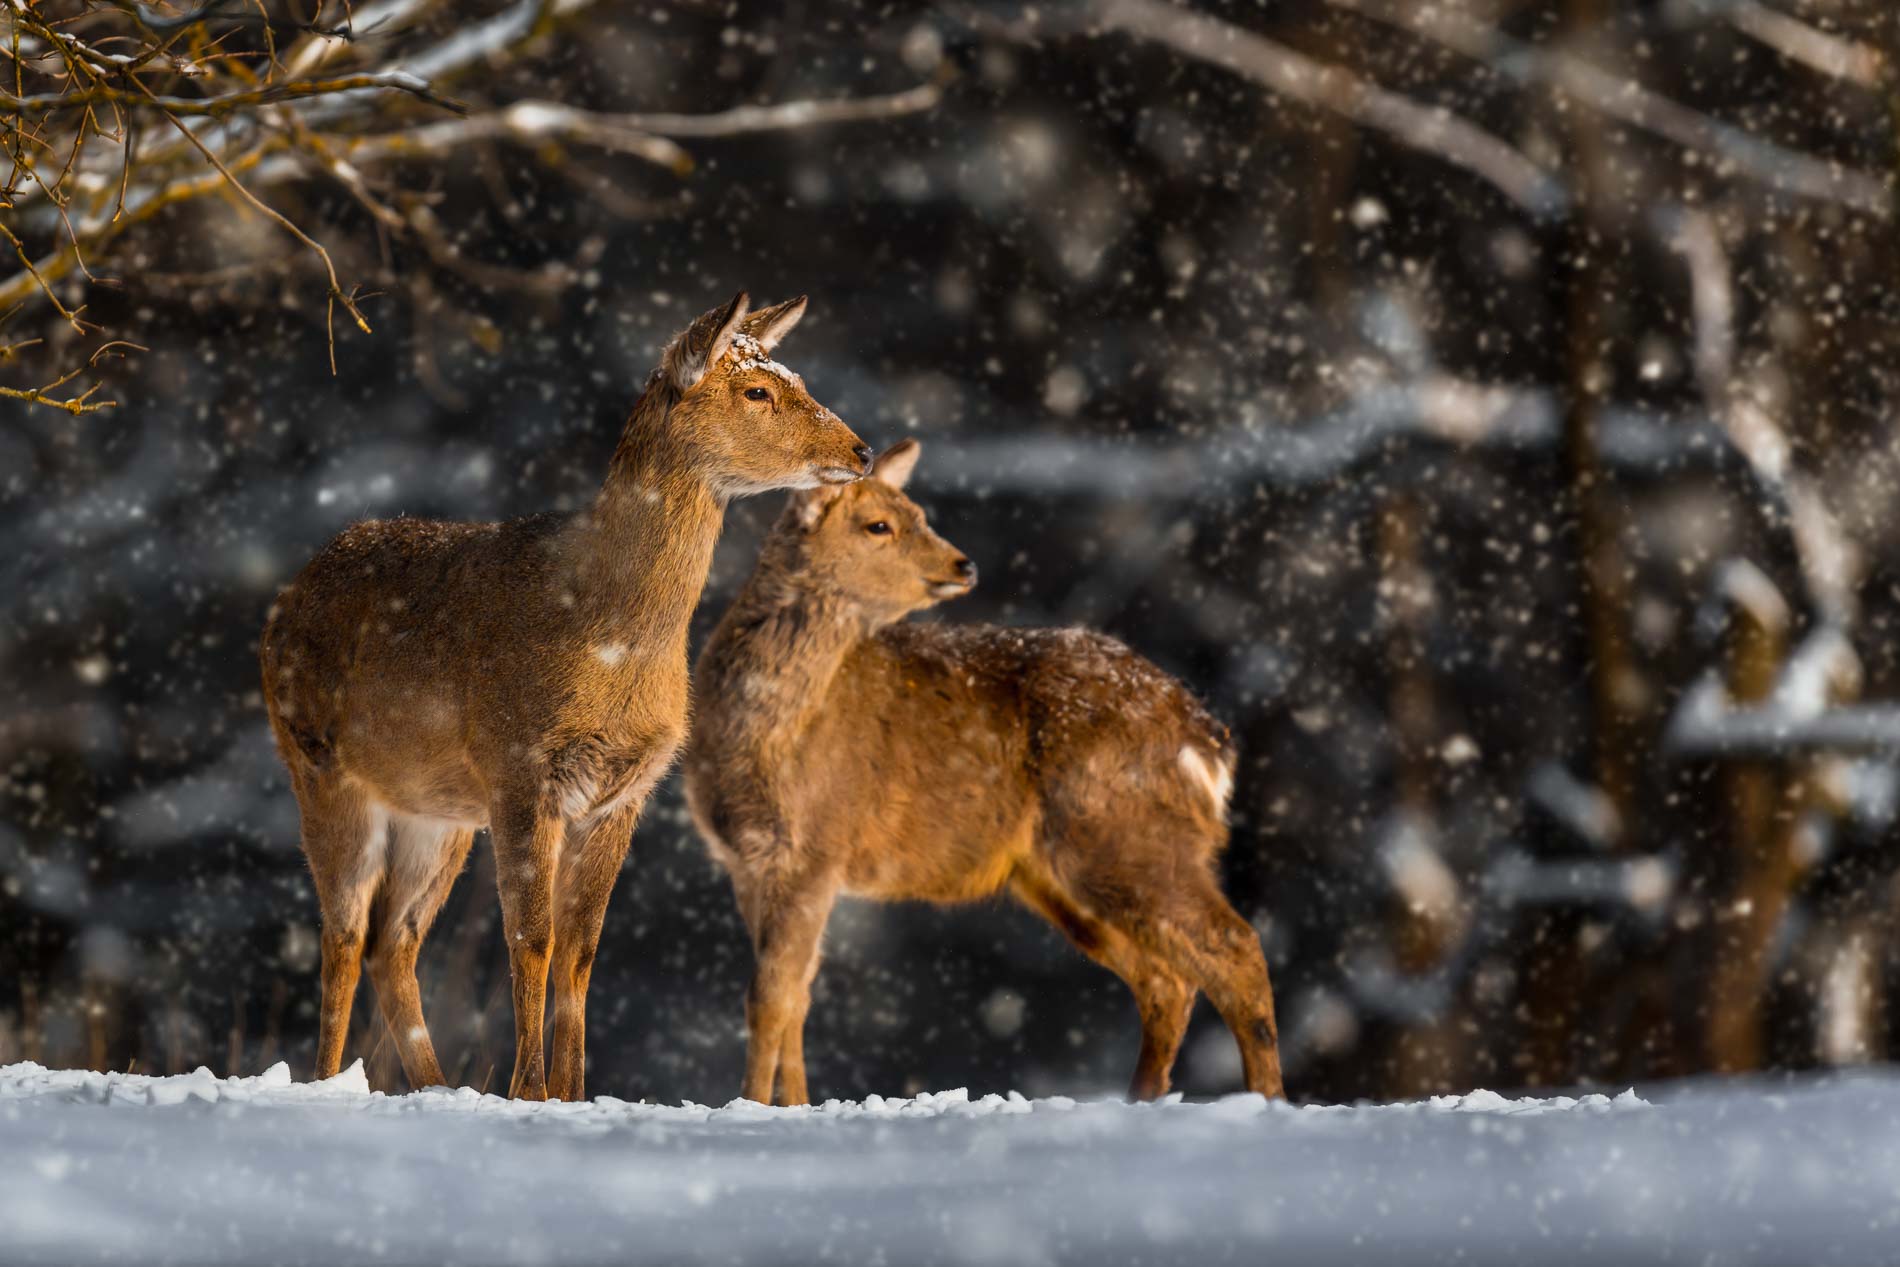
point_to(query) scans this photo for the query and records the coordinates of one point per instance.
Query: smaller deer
(837, 750)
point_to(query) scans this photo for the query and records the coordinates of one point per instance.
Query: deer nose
(965, 569)
(864, 456)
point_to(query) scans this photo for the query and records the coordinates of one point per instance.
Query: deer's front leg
(787, 921)
(586, 883)
(527, 840)
(791, 1055)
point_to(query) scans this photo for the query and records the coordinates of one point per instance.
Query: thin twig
(75, 405)
(329, 266)
(71, 316)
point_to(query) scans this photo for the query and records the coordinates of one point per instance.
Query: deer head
(747, 418)
(870, 544)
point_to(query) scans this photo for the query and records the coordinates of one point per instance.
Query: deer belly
(953, 860)
(449, 793)
(420, 770)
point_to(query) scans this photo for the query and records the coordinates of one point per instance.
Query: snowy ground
(196, 1170)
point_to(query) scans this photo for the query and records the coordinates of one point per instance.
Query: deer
(841, 750)
(425, 680)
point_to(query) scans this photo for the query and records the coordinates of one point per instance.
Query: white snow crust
(198, 1169)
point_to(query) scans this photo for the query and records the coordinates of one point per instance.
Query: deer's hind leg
(345, 840)
(424, 859)
(1192, 927)
(1149, 874)
(1163, 998)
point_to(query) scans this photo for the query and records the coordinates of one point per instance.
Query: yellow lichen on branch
(113, 114)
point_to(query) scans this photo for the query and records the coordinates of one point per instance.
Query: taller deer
(427, 679)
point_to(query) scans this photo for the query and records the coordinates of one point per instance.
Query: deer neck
(778, 651)
(646, 545)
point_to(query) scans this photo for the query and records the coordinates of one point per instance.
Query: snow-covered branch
(1824, 52)
(1315, 83)
(1436, 413)
(1706, 724)
(1729, 148)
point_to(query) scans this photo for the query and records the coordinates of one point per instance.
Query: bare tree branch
(1836, 56)
(80, 404)
(329, 267)
(525, 123)
(1321, 85)
(1731, 149)
(393, 80)
(788, 115)
(83, 402)
(252, 121)
(382, 17)
(644, 136)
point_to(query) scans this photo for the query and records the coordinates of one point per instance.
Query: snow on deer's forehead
(753, 356)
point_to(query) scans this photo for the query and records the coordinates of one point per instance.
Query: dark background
(1444, 502)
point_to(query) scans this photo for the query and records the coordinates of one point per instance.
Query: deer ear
(809, 505)
(770, 325)
(895, 464)
(699, 345)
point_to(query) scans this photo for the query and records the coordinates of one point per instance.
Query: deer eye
(757, 393)
(878, 528)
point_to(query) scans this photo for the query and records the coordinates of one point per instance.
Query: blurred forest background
(1488, 406)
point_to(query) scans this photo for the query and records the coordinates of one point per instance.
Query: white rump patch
(1213, 776)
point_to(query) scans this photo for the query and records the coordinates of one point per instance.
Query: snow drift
(196, 1169)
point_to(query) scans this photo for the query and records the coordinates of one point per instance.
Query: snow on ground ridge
(195, 1169)
(275, 1087)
